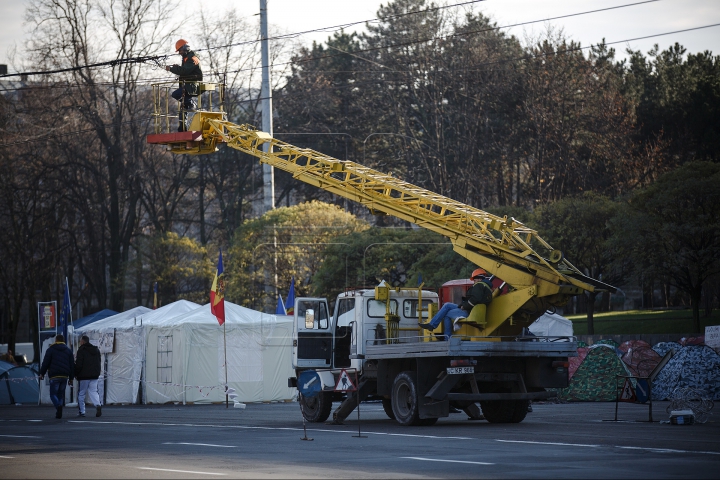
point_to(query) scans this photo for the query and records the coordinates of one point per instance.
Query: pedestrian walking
(87, 372)
(58, 364)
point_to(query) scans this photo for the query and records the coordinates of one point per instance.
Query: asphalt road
(264, 441)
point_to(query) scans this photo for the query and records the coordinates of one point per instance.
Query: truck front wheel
(505, 411)
(387, 406)
(404, 399)
(316, 409)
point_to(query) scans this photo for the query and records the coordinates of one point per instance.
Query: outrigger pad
(174, 137)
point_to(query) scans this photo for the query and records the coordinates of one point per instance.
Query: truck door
(313, 337)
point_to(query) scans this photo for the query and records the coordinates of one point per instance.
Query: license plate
(460, 370)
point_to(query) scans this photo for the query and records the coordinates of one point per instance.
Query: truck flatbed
(457, 347)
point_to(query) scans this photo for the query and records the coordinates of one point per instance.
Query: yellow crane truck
(373, 333)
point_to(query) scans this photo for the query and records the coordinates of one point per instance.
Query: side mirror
(309, 318)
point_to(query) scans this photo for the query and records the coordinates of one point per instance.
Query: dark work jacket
(188, 71)
(479, 293)
(58, 362)
(87, 364)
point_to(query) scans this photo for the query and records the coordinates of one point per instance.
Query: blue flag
(420, 279)
(65, 314)
(280, 309)
(290, 301)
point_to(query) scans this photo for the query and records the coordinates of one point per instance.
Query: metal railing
(167, 112)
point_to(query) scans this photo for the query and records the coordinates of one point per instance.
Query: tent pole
(225, 352)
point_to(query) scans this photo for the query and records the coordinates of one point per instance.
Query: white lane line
(448, 461)
(648, 449)
(550, 443)
(244, 427)
(179, 471)
(200, 444)
(667, 450)
(20, 436)
(5, 456)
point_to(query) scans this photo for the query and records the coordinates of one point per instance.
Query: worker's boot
(58, 412)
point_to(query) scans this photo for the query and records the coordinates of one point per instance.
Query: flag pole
(225, 352)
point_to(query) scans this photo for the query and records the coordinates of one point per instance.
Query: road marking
(667, 450)
(649, 449)
(20, 436)
(448, 461)
(244, 427)
(5, 456)
(179, 471)
(200, 444)
(550, 443)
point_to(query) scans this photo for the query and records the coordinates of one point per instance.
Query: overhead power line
(157, 58)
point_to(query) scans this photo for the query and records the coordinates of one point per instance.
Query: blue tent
(18, 384)
(93, 317)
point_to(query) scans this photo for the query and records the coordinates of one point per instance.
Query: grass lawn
(643, 321)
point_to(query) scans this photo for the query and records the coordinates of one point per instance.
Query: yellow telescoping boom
(540, 277)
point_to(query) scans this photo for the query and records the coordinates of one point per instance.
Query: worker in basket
(450, 314)
(190, 74)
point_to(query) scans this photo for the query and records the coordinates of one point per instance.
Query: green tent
(594, 380)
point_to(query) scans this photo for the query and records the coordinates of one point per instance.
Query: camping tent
(18, 384)
(121, 339)
(595, 378)
(693, 367)
(93, 317)
(186, 357)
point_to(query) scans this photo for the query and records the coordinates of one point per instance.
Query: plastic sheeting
(551, 325)
(186, 360)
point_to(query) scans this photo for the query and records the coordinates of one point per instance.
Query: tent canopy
(120, 320)
(93, 317)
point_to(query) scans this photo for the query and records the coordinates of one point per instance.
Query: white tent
(186, 357)
(551, 325)
(127, 332)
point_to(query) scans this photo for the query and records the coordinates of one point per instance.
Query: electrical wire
(691, 399)
(156, 59)
(386, 81)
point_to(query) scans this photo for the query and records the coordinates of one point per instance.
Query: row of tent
(593, 373)
(179, 353)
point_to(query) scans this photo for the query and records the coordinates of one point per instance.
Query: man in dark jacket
(190, 75)
(450, 313)
(87, 372)
(59, 365)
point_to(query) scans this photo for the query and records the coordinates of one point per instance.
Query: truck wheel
(316, 409)
(405, 399)
(505, 411)
(387, 406)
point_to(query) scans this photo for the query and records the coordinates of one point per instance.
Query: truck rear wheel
(404, 399)
(505, 411)
(387, 406)
(316, 409)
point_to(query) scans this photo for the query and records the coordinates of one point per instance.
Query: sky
(614, 25)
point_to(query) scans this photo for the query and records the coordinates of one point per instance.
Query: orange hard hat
(477, 272)
(179, 44)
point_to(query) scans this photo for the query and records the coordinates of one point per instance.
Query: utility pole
(267, 126)
(266, 95)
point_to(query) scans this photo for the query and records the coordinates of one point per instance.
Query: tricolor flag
(290, 301)
(280, 309)
(217, 293)
(155, 289)
(65, 313)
